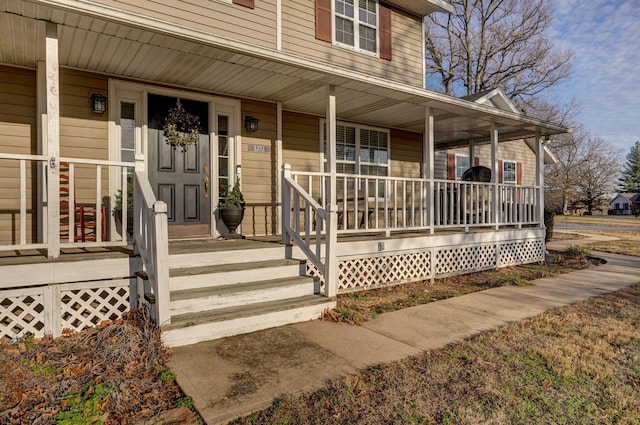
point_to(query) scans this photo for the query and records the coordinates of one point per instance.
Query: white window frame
(515, 171)
(459, 175)
(358, 162)
(356, 28)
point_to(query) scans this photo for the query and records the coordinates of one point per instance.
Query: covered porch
(308, 206)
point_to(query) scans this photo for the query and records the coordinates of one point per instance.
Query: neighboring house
(319, 106)
(625, 204)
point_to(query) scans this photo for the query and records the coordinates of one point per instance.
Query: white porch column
(278, 166)
(494, 176)
(53, 141)
(331, 264)
(428, 148)
(540, 179)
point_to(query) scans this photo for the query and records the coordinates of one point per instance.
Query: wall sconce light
(250, 124)
(98, 103)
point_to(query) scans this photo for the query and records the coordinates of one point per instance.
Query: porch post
(494, 176)
(53, 141)
(331, 265)
(41, 189)
(540, 179)
(279, 205)
(427, 168)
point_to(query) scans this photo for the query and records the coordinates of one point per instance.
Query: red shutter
(246, 3)
(451, 166)
(323, 20)
(476, 161)
(500, 171)
(519, 173)
(385, 32)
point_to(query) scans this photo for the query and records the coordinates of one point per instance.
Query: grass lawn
(579, 364)
(629, 243)
(604, 220)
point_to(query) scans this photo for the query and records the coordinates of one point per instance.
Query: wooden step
(202, 299)
(191, 328)
(227, 274)
(181, 257)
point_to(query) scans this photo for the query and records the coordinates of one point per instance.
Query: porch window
(462, 165)
(360, 150)
(356, 25)
(509, 172)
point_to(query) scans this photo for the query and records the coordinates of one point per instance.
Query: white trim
(279, 163)
(356, 29)
(279, 25)
(53, 139)
(515, 171)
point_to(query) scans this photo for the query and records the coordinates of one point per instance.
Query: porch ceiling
(100, 40)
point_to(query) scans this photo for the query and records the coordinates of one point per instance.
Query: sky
(605, 79)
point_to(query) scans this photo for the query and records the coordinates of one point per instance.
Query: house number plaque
(260, 148)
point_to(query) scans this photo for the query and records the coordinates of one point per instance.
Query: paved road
(563, 225)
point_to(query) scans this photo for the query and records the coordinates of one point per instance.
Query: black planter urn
(232, 217)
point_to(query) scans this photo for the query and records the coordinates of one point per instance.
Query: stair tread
(223, 314)
(184, 294)
(222, 268)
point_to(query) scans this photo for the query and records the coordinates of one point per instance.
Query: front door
(180, 176)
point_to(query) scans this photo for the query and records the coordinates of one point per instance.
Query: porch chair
(85, 216)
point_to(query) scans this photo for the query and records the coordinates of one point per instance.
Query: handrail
(298, 205)
(150, 230)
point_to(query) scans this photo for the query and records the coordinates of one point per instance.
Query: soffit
(91, 43)
(422, 7)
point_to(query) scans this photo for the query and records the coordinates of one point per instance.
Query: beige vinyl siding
(18, 134)
(256, 26)
(83, 133)
(301, 142)
(406, 154)
(516, 150)
(298, 36)
(259, 178)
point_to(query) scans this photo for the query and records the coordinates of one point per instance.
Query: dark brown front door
(180, 177)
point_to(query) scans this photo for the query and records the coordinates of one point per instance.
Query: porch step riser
(200, 259)
(195, 305)
(233, 277)
(214, 330)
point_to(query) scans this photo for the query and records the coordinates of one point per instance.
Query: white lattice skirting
(50, 309)
(373, 271)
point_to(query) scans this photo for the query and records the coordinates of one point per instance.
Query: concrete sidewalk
(234, 376)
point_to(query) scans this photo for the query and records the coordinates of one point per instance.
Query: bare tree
(585, 173)
(597, 173)
(494, 43)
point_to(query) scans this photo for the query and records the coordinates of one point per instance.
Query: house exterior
(625, 204)
(319, 108)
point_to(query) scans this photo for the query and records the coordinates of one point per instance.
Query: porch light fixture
(250, 124)
(98, 103)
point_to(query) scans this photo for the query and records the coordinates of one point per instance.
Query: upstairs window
(361, 25)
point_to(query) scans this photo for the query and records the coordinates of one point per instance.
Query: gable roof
(629, 196)
(498, 99)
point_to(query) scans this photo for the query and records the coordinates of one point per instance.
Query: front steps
(216, 295)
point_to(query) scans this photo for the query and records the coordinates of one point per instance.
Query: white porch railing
(304, 221)
(151, 235)
(372, 203)
(86, 194)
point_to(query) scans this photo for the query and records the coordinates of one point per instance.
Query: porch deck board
(33, 256)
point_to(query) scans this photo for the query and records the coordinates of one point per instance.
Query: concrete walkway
(234, 376)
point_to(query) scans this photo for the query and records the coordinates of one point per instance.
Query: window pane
(367, 11)
(509, 172)
(462, 165)
(127, 131)
(367, 38)
(344, 31)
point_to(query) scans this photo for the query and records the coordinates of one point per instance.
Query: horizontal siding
(516, 150)
(406, 154)
(18, 134)
(301, 142)
(298, 36)
(259, 178)
(256, 26)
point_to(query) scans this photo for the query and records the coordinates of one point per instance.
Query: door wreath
(181, 128)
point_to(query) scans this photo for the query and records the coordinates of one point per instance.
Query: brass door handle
(206, 186)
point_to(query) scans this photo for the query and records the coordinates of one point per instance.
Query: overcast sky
(605, 36)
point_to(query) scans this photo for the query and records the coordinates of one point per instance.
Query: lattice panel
(20, 316)
(83, 308)
(521, 252)
(372, 272)
(457, 260)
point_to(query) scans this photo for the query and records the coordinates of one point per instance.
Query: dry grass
(575, 365)
(629, 243)
(111, 374)
(357, 307)
(607, 220)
